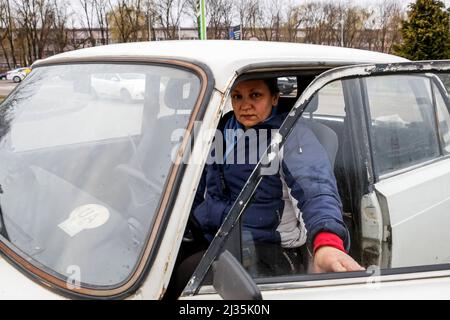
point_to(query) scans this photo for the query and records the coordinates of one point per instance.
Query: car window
(445, 79)
(330, 102)
(443, 116)
(110, 76)
(81, 173)
(287, 86)
(402, 123)
(98, 76)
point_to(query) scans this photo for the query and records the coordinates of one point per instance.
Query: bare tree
(151, 18)
(389, 15)
(8, 23)
(29, 29)
(168, 14)
(293, 22)
(270, 20)
(354, 18)
(313, 21)
(219, 18)
(4, 31)
(35, 18)
(341, 24)
(88, 19)
(59, 36)
(249, 15)
(101, 11)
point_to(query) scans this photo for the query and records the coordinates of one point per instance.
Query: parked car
(18, 74)
(95, 195)
(287, 85)
(126, 86)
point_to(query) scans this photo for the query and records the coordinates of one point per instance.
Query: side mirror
(232, 281)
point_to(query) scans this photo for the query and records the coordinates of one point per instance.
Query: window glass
(443, 118)
(445, 78)
(402, 121)
(330, 102)
(287, 86)
(83, 163)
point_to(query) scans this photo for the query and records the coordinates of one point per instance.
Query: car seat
(326, 136)
(145, 173)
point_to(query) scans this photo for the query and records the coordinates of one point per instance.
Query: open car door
(399, 115)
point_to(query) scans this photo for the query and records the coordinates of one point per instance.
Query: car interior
(334, 134)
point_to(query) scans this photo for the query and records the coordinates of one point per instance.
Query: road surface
(6, 86)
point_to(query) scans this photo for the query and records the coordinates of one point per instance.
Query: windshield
(132, 76)
(84, 157)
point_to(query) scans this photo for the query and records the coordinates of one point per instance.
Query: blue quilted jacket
(304, 168)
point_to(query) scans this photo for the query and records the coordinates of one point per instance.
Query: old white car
(95, 194)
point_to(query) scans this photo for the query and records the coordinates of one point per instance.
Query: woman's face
(252, 102)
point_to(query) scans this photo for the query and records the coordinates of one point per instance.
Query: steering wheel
(194, 232)
(141, 188)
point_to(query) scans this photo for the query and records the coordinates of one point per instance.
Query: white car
(16, 75)
(126, 86)
(95, 196)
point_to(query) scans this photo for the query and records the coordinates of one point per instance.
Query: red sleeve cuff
(328, 239)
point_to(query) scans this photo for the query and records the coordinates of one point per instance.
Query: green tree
(425, 32)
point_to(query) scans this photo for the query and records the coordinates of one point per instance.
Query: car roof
(225, 57)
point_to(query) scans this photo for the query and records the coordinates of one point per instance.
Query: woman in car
(298, 205)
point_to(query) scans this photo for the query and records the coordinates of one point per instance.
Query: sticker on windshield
(89, 216)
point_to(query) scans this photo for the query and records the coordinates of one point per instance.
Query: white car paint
(415, 286)
(15, 285)
(116, 86)
(225, 57)
(418, 201)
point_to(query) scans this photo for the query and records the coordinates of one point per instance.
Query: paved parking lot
(6, 86)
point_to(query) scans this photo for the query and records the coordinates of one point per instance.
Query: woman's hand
(329, 259)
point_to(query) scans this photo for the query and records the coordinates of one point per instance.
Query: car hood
(15, 285)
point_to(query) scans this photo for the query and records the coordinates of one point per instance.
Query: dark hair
(272, 84)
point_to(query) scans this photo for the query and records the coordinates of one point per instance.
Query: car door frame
(324, 282)
(389, 244)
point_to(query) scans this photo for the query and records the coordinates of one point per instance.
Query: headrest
(176, 91)
(313, 105)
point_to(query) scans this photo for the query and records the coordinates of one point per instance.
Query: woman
(297, 204)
